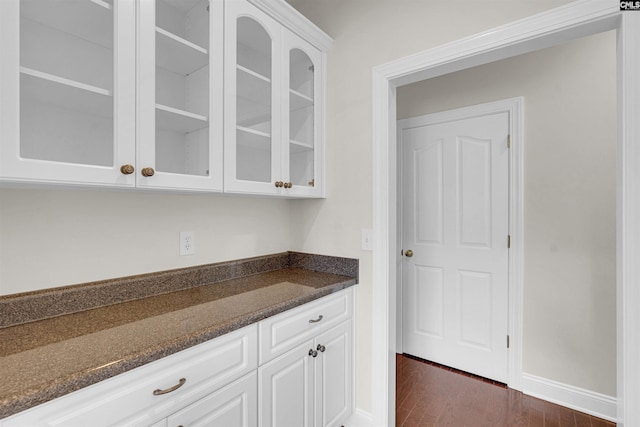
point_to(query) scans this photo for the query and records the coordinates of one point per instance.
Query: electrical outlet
(367, 239)
(187, 243)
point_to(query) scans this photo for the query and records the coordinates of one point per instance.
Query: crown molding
(284, 13)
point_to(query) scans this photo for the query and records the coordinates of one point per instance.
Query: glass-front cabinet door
(67, 91)
(272, 115)
(301, 123)
(252, 101)
(179, 94)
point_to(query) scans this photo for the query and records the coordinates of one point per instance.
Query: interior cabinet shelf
(89, 20)
(254, 86)
(179, 55)
(254, 139)
(299, 147)
(175, 120)
(65, 93)
(63, 81)
(253, 99)
(299, 101)
(253, 73)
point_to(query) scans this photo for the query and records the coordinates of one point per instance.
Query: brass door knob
(408, 253)
(279, 184)
(127, 169)
(147, 172)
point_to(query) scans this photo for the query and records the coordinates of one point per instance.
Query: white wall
(569, 174)
(366, 34)
(58, 237)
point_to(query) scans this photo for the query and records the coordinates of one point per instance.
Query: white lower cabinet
(304, 379)
(309, 385)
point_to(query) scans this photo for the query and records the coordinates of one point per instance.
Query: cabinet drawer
(284, 331)
(129, 400)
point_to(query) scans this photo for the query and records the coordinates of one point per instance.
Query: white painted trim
(354, 348)
(514, 107)
(288, 16)
(589, 402)
(359, 418)
(577, 19)
(628, 223)
(568, 22)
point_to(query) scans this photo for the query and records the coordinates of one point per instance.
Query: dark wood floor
(433, 395)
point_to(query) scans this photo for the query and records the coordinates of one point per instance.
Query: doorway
(543, 30)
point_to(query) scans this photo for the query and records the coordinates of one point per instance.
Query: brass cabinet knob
(408, 253)
(147, 172)
(127, 169)
(288, 185)
(279, 184)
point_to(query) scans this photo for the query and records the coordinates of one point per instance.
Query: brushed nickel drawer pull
(317, 320)
(158, 392)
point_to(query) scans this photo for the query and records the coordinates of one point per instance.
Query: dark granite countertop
(47, 358)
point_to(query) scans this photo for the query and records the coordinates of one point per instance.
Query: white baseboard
(359, 418)
(589, 402)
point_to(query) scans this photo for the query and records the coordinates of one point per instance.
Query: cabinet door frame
(146, 105)
(292, 41)
(326, 380)
(233, 11)
(13, 167)
(266, 374)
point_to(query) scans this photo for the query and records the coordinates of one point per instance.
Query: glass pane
(253, 102)
(182, 87)
(66, 81)
(301, 118)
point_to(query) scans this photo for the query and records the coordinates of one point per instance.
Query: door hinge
(508, 241)
(507, 341)
(509, 141)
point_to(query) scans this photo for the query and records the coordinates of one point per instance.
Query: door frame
(514, 107)
(562, 24)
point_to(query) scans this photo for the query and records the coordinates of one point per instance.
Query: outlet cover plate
(187, 243)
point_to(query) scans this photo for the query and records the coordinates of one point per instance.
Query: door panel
(429, 193)
(333, 375)
(286, 389)
(455, 220)
(474, 181)
(429, 301)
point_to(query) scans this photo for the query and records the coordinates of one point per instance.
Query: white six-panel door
(455, 223)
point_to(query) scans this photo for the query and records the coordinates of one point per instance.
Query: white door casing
(456, 222)
(574, 20)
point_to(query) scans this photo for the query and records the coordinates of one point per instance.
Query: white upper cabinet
(179, 67)
(166, 94)
(90, 96)
(273, 94)
(67, 91)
